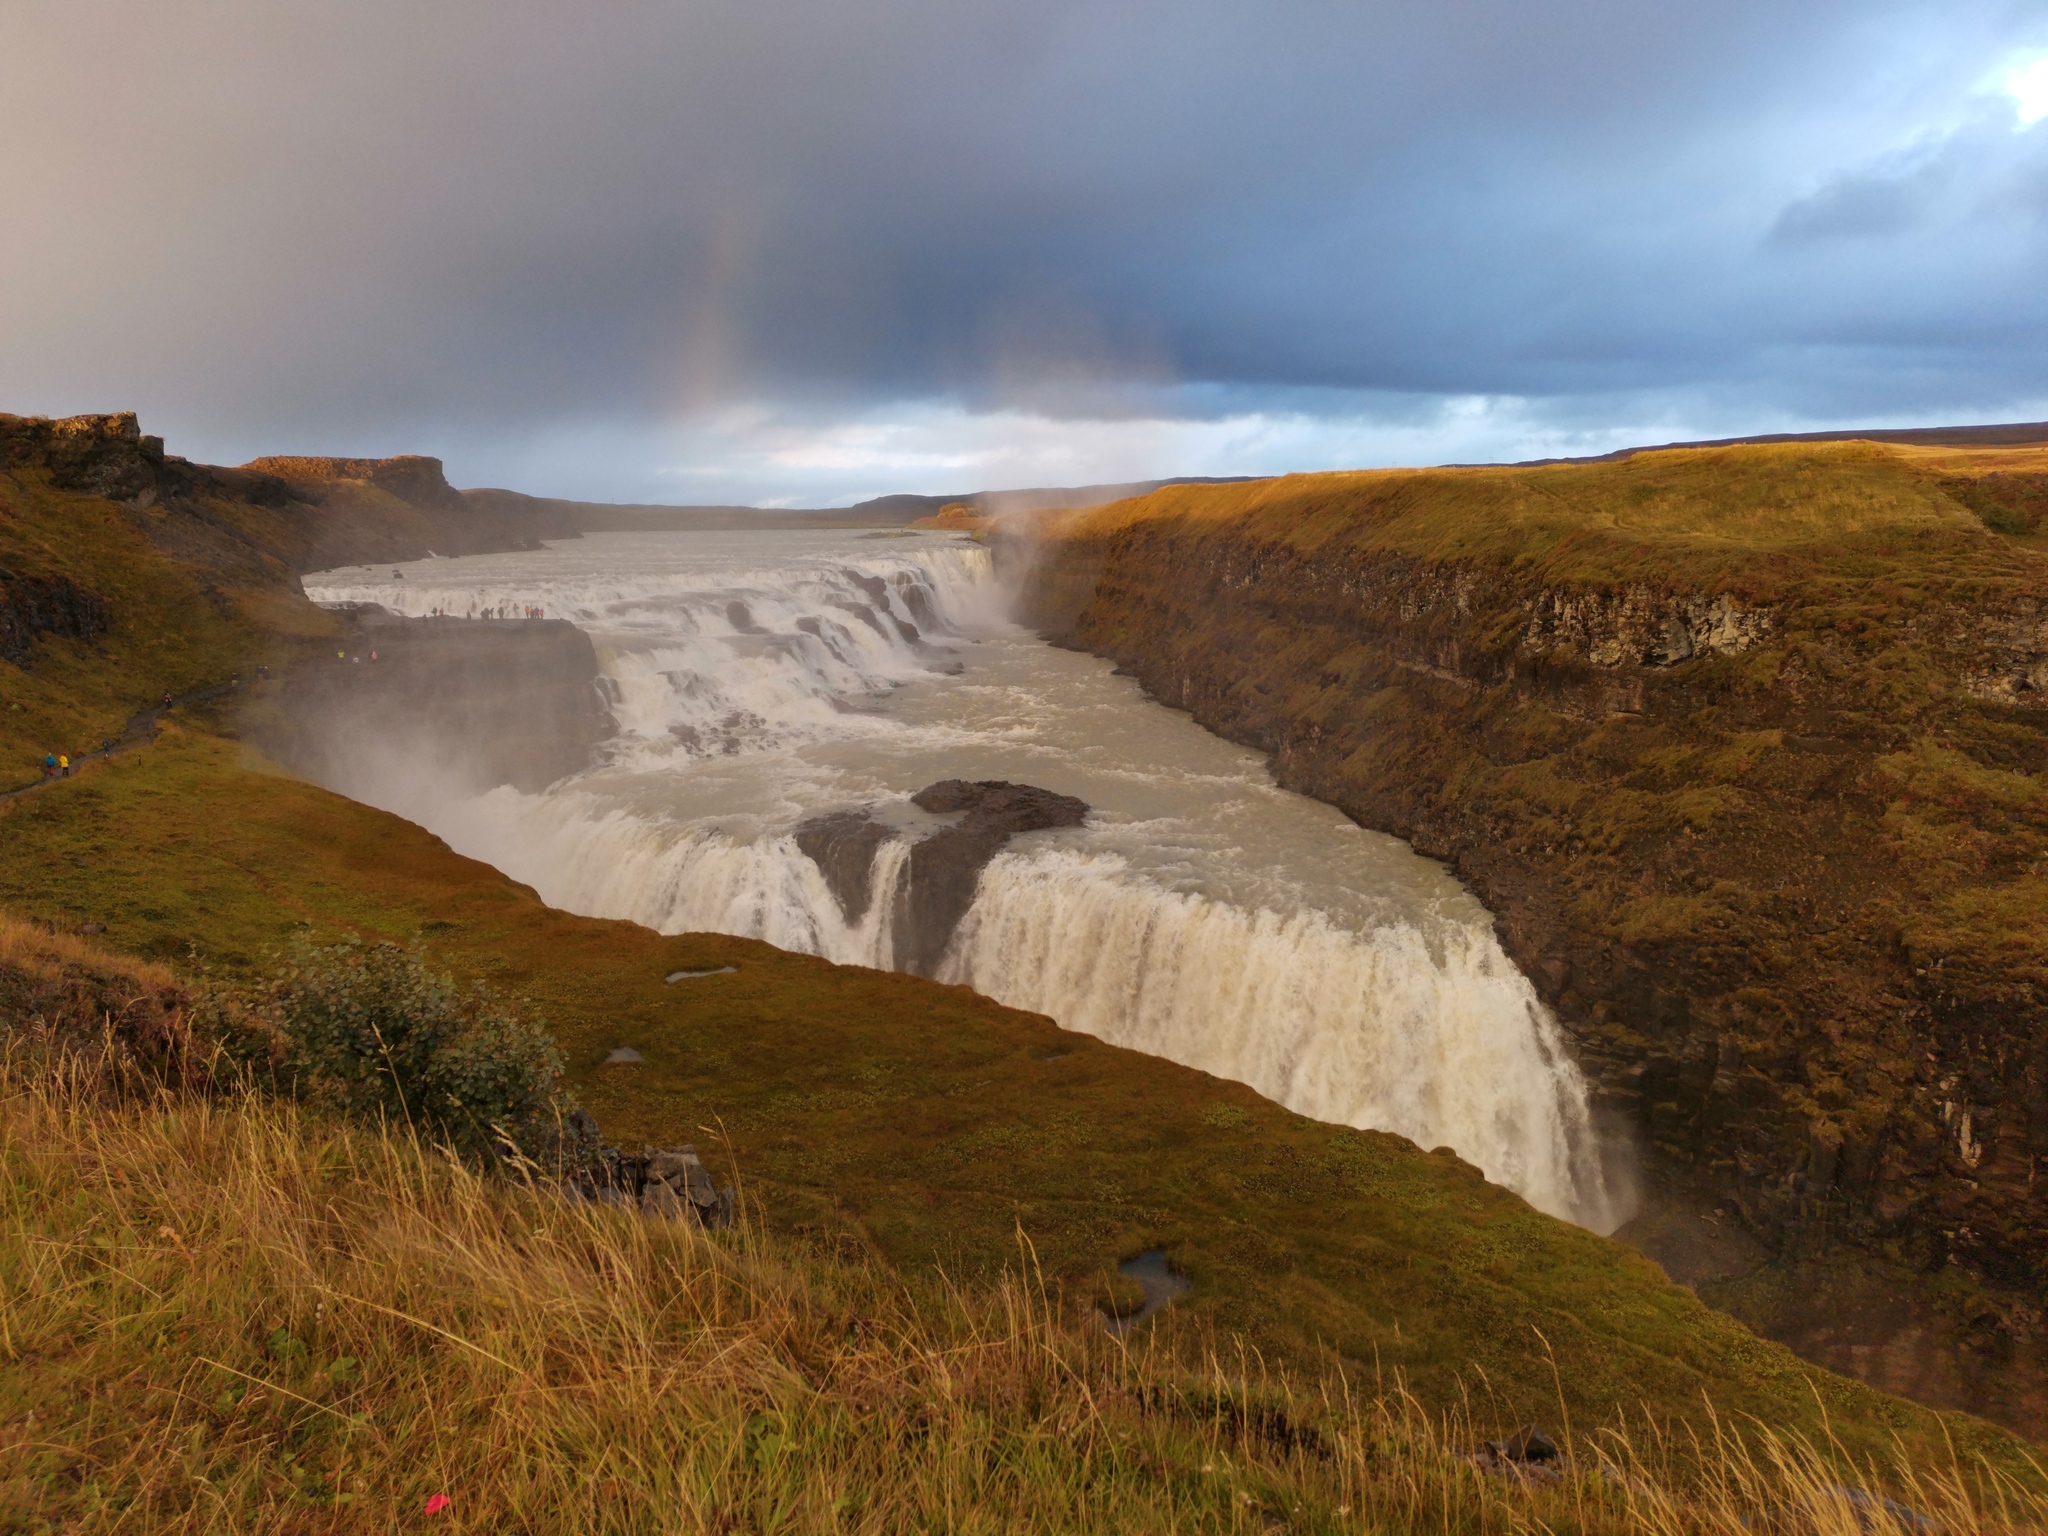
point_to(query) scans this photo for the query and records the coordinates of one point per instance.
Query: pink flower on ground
(437, 1503)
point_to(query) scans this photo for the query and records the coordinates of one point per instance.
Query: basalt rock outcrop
(238, 525)
(942, 869)
(1763, 821)
(669, 1182)
(32, 606)
(400, 508)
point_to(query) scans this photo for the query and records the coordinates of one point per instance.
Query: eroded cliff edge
(1744, 748)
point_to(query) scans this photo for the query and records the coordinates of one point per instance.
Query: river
(1202, 913)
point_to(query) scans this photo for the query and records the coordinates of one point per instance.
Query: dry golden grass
(43, 952)
(223, 1315)
(1754, 516)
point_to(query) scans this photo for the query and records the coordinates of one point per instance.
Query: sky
(800, 252)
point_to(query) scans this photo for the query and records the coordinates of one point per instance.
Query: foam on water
(1203, 914)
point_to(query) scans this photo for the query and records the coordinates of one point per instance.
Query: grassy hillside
(881, 1117)
(1743, 747)
(194, 583)
(923, 1124)
(1758, 518)
(225, 1314)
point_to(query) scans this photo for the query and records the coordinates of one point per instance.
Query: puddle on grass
(716, 970)
(1160, 1282)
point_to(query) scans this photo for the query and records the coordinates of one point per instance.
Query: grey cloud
(1852, 207)
(389, 225)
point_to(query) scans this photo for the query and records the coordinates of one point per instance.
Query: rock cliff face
(403, 508)
(1766, 834)
(45, 605)
(448, 706)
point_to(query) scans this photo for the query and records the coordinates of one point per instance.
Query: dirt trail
(139, 731)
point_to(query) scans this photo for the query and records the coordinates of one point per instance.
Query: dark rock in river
(938, 885)
(944, 868)
(995, 802)
(843, 846)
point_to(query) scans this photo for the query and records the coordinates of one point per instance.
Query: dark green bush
(372, 1032)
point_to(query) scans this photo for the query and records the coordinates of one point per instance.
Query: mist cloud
(796, 251)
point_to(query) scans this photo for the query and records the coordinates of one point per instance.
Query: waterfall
(758, 680)
(1424, 1029)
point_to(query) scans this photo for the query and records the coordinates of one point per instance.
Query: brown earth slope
(1744, 747)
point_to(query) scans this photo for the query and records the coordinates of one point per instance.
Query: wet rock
(945, 867)
(997, 803)
(865, 614)
(624, 1056)
(843, 846)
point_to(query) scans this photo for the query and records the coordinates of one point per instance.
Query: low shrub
(372, 1032)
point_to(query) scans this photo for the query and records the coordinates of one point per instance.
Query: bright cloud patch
(2027, 85)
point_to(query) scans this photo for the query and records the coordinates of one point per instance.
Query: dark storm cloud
(398, 223)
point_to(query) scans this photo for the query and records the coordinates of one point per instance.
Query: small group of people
(57, 765)
(355, 660)
(496, 611)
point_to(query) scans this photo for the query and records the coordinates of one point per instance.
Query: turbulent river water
(1203, 914)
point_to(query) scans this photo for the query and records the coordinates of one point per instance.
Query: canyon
(1738, 747)
(1742, 748)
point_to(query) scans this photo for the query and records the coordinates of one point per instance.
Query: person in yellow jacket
(64, 765)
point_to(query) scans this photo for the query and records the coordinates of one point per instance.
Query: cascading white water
(1419, 1029)
(1202, 914)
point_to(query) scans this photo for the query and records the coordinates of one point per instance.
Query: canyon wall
(279, 515)
(413, 708)
(1743, 748)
